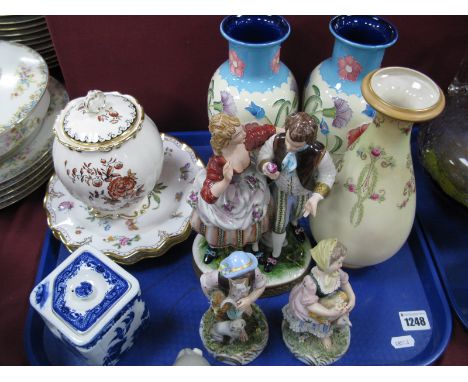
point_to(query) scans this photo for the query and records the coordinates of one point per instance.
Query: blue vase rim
(279, 21)
(390, 33)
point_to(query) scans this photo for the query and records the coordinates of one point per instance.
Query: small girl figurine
(230, 199)
(316, 319)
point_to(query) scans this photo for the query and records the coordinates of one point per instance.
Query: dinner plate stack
(31, 31)
(30, 100)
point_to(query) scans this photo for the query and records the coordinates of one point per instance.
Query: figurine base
(294, 263)
(236, 353)
(309, 349)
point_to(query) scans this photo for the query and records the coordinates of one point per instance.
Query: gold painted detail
(397, 112)
(137, 254)
(322, 189)
(114, 143)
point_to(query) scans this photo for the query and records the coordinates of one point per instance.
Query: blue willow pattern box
(93, 305)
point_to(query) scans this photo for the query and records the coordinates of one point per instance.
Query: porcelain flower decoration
(343, 113)
(236, 65)
(349, 68)
(257, 111)
(229, 105)
(275, 63)
(354, 134)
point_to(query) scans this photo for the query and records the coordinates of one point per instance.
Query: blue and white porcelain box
(93, 305)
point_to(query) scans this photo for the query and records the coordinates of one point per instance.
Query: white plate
(23, 81)
(163, 222)
(36, 150)
(28, 190)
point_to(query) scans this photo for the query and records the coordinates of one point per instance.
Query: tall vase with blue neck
(332, 95)
(253, 84)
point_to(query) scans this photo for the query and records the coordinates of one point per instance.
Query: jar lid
(84, 294)
(99, 122)
(85, 290)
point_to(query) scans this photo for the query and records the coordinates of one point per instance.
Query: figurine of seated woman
(231, 198)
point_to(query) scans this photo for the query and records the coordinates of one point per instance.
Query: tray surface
(406, 282)
(444, 223)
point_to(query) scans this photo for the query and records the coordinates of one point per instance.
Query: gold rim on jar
(114, 143)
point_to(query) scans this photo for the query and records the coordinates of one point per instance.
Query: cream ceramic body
(24, 98)
(372, 205)
(112, 180)
(335, 139)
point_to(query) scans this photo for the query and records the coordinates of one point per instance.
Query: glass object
(443, 142)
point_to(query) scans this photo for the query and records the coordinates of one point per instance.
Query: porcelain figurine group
(316, 319)
(259, 182)
(271, 166)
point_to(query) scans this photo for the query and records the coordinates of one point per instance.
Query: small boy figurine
(303, 173)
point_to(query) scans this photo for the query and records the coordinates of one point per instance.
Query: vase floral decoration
(253, 84)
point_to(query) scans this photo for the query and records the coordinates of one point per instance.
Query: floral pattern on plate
(32, 153)
(20, 96)
(163, 220)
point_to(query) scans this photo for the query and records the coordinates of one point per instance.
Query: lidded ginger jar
(107, 153)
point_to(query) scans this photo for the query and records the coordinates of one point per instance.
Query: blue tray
(444, 223)
(406, 282)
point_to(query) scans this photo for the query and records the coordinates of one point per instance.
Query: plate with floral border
(25, 176)
(23, 81)
(38, 177)
(39, 148)
(163, 220)
(27, 191)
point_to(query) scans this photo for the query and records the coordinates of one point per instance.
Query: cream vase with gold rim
(107, 153)
(372, 205)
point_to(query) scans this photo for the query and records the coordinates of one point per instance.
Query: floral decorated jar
(24, 98)
(332, 95)
(92, 305)
(372, 204)
(253, 84)
(107, 152)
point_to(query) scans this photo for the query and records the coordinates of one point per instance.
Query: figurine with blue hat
(234, 329)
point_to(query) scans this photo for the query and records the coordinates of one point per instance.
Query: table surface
(23, 227)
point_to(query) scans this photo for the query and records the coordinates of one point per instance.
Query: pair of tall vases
(365, 116)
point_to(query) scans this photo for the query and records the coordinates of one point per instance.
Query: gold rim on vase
(398, 112)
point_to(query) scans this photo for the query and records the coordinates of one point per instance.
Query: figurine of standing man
(303, 174)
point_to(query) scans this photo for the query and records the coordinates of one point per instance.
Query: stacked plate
(31, 31)
(30, 100)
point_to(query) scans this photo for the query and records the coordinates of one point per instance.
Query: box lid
(83, 294)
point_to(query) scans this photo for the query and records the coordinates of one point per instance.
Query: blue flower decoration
(257, 111)
(324, 127)
(42, 292)
(369, 111)
(84, 289)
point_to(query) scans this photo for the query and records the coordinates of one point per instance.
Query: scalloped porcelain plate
(163, 220)
(32, 154)
(23, 81)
